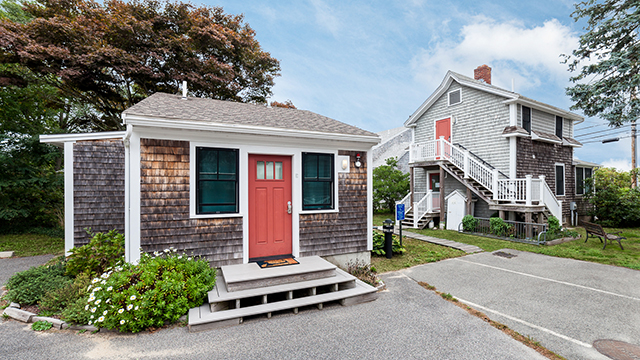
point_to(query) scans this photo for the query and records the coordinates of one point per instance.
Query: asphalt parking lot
(564, 304)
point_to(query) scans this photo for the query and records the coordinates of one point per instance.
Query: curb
(14, 312)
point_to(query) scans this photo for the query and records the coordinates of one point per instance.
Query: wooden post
(443, 213)
(411, 180)
(528, 219)
(501, 214)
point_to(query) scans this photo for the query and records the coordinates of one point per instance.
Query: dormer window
(559, 121)
(455, 97)
(526, 118)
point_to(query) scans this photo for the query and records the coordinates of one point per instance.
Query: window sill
(214, 216)
(327, 211)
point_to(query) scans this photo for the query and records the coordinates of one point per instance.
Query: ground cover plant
(363, 271)
(28, 287)
(379, 244)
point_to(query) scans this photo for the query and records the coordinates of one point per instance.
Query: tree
(389, 185)
(287, 104)
(608, 61)
(616, 203)
(110, 55)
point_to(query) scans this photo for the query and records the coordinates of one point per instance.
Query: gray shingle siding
(479, 121)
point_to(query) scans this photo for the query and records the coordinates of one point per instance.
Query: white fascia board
(60, 139)
(566, 143)
(244, 129)
(535, 137)
(577, 119)
(515, 135)
(446, 82)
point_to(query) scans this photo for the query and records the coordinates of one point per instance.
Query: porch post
(410, 186)
(495, 184)
(442, 190)
(528, 219)
(442, 148)
(528, 191)
(466, 164)
(542, 182)
(469, 202)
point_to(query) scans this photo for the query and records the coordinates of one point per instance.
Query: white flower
(95, 280)
(155, 253)
(110, 288)
(86, 307)
(93, 309)
(120, 311)
(129, 307)
(91, 317)
(97, 289)
(136, 307)
(133, 297)
(101, 319)
(90, 322)
(175, 250)
(89, 288)
(108, 301)
(104, 312)
(180, 257)
(121, 322)
(166, 250)
(98, 302)
(91, 298)
(103, 282)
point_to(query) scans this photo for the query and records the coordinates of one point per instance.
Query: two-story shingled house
(503, 152)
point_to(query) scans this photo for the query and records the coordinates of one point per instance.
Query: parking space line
(551, 332)
(551, 280)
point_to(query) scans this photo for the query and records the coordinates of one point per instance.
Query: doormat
(278, 262)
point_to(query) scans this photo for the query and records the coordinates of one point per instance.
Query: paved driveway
(564, 304)
(406, 322)
(10, 266)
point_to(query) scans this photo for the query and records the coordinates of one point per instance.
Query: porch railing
(531, 233)
(424, 206)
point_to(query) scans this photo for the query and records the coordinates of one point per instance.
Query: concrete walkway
(564, 304)
(10, 266)
(469, 249)
(406, 322)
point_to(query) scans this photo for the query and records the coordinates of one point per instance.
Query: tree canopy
(607, 60)
(389, 185)
(110, 55)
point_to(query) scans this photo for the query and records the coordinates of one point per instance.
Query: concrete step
(202, 318)
(251, 276)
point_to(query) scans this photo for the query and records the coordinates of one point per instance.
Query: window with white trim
(526, 118)
(317, 181)
(583, 184)
(455, 97)
(559, 121)
(559, 179)
(216, 181)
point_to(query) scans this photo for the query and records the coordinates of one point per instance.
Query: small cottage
(229, 181)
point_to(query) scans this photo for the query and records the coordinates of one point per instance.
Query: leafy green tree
(389, 185)
(112, 54)
(607, 60)
(616, 204)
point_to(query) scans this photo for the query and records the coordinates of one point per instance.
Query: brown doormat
(277, 262)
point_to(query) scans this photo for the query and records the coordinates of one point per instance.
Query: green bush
(75, 313)
(615, 202)
(498, 227)
(41, 325)
(102, 252)
(554, 226)
(469, 223)
(158, 290)
(378, 244)
(57, 300)
(30, 286)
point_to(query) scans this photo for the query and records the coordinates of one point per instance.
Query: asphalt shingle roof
(168, 106)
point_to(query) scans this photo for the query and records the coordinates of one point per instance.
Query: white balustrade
(422, 207)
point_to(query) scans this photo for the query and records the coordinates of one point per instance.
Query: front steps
(246, 290)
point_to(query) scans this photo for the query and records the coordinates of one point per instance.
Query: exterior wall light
(358, 163)
(345, 164)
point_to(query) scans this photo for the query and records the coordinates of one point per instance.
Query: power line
(588, 127)
(604, 135)
(595, 141)
(602, 131)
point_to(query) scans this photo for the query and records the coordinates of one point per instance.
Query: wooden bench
(597, 230)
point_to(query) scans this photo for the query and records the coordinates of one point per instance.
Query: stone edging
(14, 312)
(562, 240)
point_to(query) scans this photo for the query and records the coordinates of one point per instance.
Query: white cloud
(619, 164)
(510, 48)
(326, 18)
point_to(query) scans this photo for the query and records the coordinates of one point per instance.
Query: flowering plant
(158, 290)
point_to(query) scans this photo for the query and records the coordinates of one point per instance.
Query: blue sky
(372, 63)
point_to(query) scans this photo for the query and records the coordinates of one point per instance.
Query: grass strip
(31, 244)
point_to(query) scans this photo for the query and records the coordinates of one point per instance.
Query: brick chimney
(483, 73)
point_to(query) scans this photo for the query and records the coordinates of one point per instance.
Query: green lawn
(418, 252)
(578, 249)
(31, 244)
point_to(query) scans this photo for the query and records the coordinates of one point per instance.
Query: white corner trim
(369, 200)
(134, 205)
(513, 114)
(513, 157)
(68, 198)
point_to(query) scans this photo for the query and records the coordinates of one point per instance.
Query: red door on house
(443, 129)
(269, 206)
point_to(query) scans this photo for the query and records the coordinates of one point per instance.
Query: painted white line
(548, 279)
(551, 332)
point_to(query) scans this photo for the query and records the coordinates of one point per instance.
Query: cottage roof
(162, 106)
(510, 97)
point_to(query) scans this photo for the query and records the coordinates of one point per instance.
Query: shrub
(29, 286)
(389, 185)
(615, 203)
(363, 271)
(41, 325)
(75, 313)
(58, 299)
(102, 252)
(469, 223)
(554, 225)
(499, 227)
(378, 244)
(160, 289)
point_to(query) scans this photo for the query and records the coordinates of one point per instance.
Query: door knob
(289, 207)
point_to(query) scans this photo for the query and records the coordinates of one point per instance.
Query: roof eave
(60, 139)
(577, 119)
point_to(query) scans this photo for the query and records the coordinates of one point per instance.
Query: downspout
(127, 190)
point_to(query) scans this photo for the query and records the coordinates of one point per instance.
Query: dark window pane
(216, 190)
(579, 180)
(209, 209)
(227, 165)
(526, 118)
(559, 126)
(588, 175)
(559, 180)
(454, 97)
(208, 163)
(317, 193)
(324, 167)
(310, 166)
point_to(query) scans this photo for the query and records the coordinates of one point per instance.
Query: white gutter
(59, 139)
(127, 192)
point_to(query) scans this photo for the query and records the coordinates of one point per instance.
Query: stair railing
(549, 199)
(422, 207)
(407, 205)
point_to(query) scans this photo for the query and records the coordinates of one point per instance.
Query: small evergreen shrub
(554, 226)
(378, 244)
(29, 286)
(160, 289)
(58, 299)
(469, 223)
(102, 252)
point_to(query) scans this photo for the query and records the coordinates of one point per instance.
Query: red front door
(269, 205)
(443, 129)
